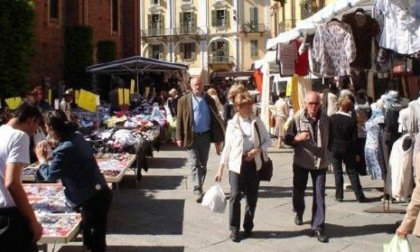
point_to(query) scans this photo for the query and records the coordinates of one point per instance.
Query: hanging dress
(373, 153)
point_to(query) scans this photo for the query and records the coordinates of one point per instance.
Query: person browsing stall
(308, 135)
(241, 154)
(19, 228)
(198, 125)
(74, 164)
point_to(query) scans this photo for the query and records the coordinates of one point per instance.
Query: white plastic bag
(215, 199)
(397, 244)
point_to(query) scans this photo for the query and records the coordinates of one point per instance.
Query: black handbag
(266, 171)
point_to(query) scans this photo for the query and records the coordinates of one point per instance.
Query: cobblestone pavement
(160, 213)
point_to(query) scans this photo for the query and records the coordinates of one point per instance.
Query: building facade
(116, 20)
(208, 35)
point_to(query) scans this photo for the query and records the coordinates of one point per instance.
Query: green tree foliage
(17, 20)
(78, 54)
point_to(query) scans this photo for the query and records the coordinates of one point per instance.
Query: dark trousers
(248, 183)
(94, 213)
(15, 233)
(300, 180)
(351, 169)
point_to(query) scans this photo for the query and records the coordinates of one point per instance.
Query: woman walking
(246, 138)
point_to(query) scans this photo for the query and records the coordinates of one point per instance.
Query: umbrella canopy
(135, 64)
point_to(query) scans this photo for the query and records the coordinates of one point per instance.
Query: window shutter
(193, 47)
(194, 19)
(227, 20)
(161, 23)
(150, 22)
(181, 19)
(213, 18)
(181, 47)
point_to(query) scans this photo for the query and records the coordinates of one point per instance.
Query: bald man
(198, 125)
(308, 135)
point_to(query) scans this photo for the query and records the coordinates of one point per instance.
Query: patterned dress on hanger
(373, 153)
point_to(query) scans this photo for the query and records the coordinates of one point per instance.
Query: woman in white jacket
(241, 155)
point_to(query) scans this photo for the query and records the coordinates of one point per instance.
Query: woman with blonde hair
(229, 109)
(246, 138)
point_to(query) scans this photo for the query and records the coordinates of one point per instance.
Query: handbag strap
(259, 139)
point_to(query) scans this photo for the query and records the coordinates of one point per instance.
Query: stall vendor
(74, 164)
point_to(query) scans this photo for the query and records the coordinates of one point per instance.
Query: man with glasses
(308, 135)
(19, 228)
(198, 125)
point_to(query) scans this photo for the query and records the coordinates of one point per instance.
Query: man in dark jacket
(308, 134)
(198, 125)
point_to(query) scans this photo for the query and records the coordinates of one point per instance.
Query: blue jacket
(74, 164)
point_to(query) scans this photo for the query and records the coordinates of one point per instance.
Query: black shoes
(234, 236)
(298, 220)
(321, 236)
(198, 193)
(363, 200)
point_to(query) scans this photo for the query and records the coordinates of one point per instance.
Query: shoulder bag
(266, 171)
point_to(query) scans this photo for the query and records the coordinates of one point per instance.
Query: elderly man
(198, 124)
(308, 135)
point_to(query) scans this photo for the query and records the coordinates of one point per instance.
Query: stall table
(61, 224)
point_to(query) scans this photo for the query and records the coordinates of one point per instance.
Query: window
(54, 10)
(187, 51)
(187, 22)
(220, 18)
(154, 2)
(115, 16)
(157, 52)
(253, 11)
(254, 48)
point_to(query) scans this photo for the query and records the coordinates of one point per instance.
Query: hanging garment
(334, 49)
(364, 29)
(287, 57)
(401, 171)
(414, 121)
(304, 86)
(400, 25)
(302, 63)
(373, 152)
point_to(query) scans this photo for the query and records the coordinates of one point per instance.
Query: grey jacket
(309, 154)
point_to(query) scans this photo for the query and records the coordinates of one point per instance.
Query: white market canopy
(135, 65)
(310, 24)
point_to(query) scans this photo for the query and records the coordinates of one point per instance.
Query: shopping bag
(215, 199)
(397, 244)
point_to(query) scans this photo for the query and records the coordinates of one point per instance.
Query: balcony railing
(250, 28)
(155, 32)
(189, 31)
(221, 60)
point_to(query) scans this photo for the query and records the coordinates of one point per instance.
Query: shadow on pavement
(167, 162)
(336, 231)
(277, 234)
(126, 249)
(133, 215)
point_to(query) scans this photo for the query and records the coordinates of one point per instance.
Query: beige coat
(411, 220)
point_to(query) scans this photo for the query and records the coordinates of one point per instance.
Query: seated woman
(74, 164)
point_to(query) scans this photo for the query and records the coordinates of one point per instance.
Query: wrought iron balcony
(186, 30)
(213, 59)
(155, 32)
(252, 28)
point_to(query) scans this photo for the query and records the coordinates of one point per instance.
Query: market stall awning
(310, 24)
(135, 64)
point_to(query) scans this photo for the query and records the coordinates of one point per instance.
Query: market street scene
(209, 125)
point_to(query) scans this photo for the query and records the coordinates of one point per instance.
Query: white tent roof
(324, 15)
